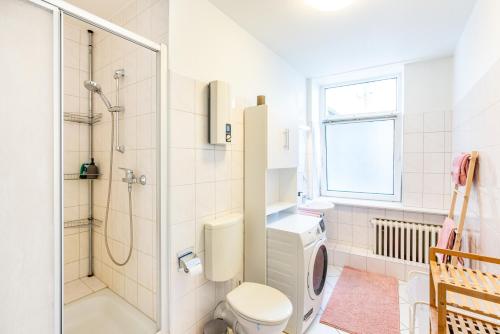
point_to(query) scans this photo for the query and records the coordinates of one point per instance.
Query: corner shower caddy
(89, 119)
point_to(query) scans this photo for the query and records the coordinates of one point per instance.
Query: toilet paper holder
(187, 259)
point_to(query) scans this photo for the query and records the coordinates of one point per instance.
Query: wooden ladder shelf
(463, 300)
(466, 195)
(468, 301)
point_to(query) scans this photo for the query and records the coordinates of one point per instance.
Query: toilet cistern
(250, 308)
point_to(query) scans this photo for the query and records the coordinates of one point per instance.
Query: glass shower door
(30, 191)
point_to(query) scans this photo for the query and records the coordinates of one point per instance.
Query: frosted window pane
(360, 157)
(362, 98)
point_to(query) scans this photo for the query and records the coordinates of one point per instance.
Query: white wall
(476, 116)
(207, 45)
(206, 181)
(478, 49)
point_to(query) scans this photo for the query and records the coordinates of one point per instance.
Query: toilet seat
(260, 303)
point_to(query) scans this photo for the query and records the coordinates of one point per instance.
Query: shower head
(94, 87)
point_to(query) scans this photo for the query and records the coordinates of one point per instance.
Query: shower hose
(131, 224)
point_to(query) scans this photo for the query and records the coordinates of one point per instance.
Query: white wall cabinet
(271, 156)
(282, 144)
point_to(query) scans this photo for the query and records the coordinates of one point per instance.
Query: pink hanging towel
(460, 168)
(307, 212)
(446, 240)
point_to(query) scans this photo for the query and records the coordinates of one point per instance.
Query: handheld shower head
(94, 87)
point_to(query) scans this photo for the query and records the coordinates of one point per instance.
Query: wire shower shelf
(82, 223)
(76, 176)
(82, 118)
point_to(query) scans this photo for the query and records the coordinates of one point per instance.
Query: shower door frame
(60, 8)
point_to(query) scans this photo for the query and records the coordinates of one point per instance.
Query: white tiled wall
(137, 280)
(427, 134)
(475, 127)
(205, 182)
(350, 234)
(76, 150)
(350, 226)
(475, 122)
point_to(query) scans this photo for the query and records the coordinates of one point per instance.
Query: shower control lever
(130, 178)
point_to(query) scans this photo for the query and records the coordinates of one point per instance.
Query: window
(361, 140)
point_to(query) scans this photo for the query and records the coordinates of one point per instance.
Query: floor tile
(93, 283)
(81, 287)
(75, 290)
(404, 316)
(319, 328)
(334, 271)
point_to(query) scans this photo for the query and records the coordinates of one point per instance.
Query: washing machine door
(318, 267)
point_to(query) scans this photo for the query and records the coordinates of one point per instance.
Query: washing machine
(297, 264)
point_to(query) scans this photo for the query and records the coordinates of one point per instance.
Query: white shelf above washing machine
(278, 207)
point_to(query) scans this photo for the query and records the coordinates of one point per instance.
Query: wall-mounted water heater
(219, 113)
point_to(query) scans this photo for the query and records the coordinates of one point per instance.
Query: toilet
(250, 308)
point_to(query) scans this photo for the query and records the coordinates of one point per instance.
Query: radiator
(403, 240)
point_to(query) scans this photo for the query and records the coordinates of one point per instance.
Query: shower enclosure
(102, 94)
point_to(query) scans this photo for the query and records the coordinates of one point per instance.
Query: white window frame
(398, 138)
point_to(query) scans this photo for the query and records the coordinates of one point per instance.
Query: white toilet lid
(260, 303)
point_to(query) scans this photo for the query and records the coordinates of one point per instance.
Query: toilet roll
(194, 267)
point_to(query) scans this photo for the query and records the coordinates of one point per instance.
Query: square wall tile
(201, 98)
(205, 199)
(434, 142)
(413, 143)
(182, 167)
(413, 182)
(345, 233)
(375, 264)
(433, 183)
(182, 205)
(345, 214)
(182, 133)
(413, 162)
(205, 166)
(434, 163)
(181, 92)
(413, 123)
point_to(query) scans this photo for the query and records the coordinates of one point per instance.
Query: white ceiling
(366, 34)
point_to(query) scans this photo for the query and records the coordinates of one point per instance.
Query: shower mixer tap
(130, 178)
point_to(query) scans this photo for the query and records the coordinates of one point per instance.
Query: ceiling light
(328, 5)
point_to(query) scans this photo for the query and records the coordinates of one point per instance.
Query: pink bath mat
(364, 303)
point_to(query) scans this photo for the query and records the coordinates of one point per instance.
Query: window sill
(381, 205)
